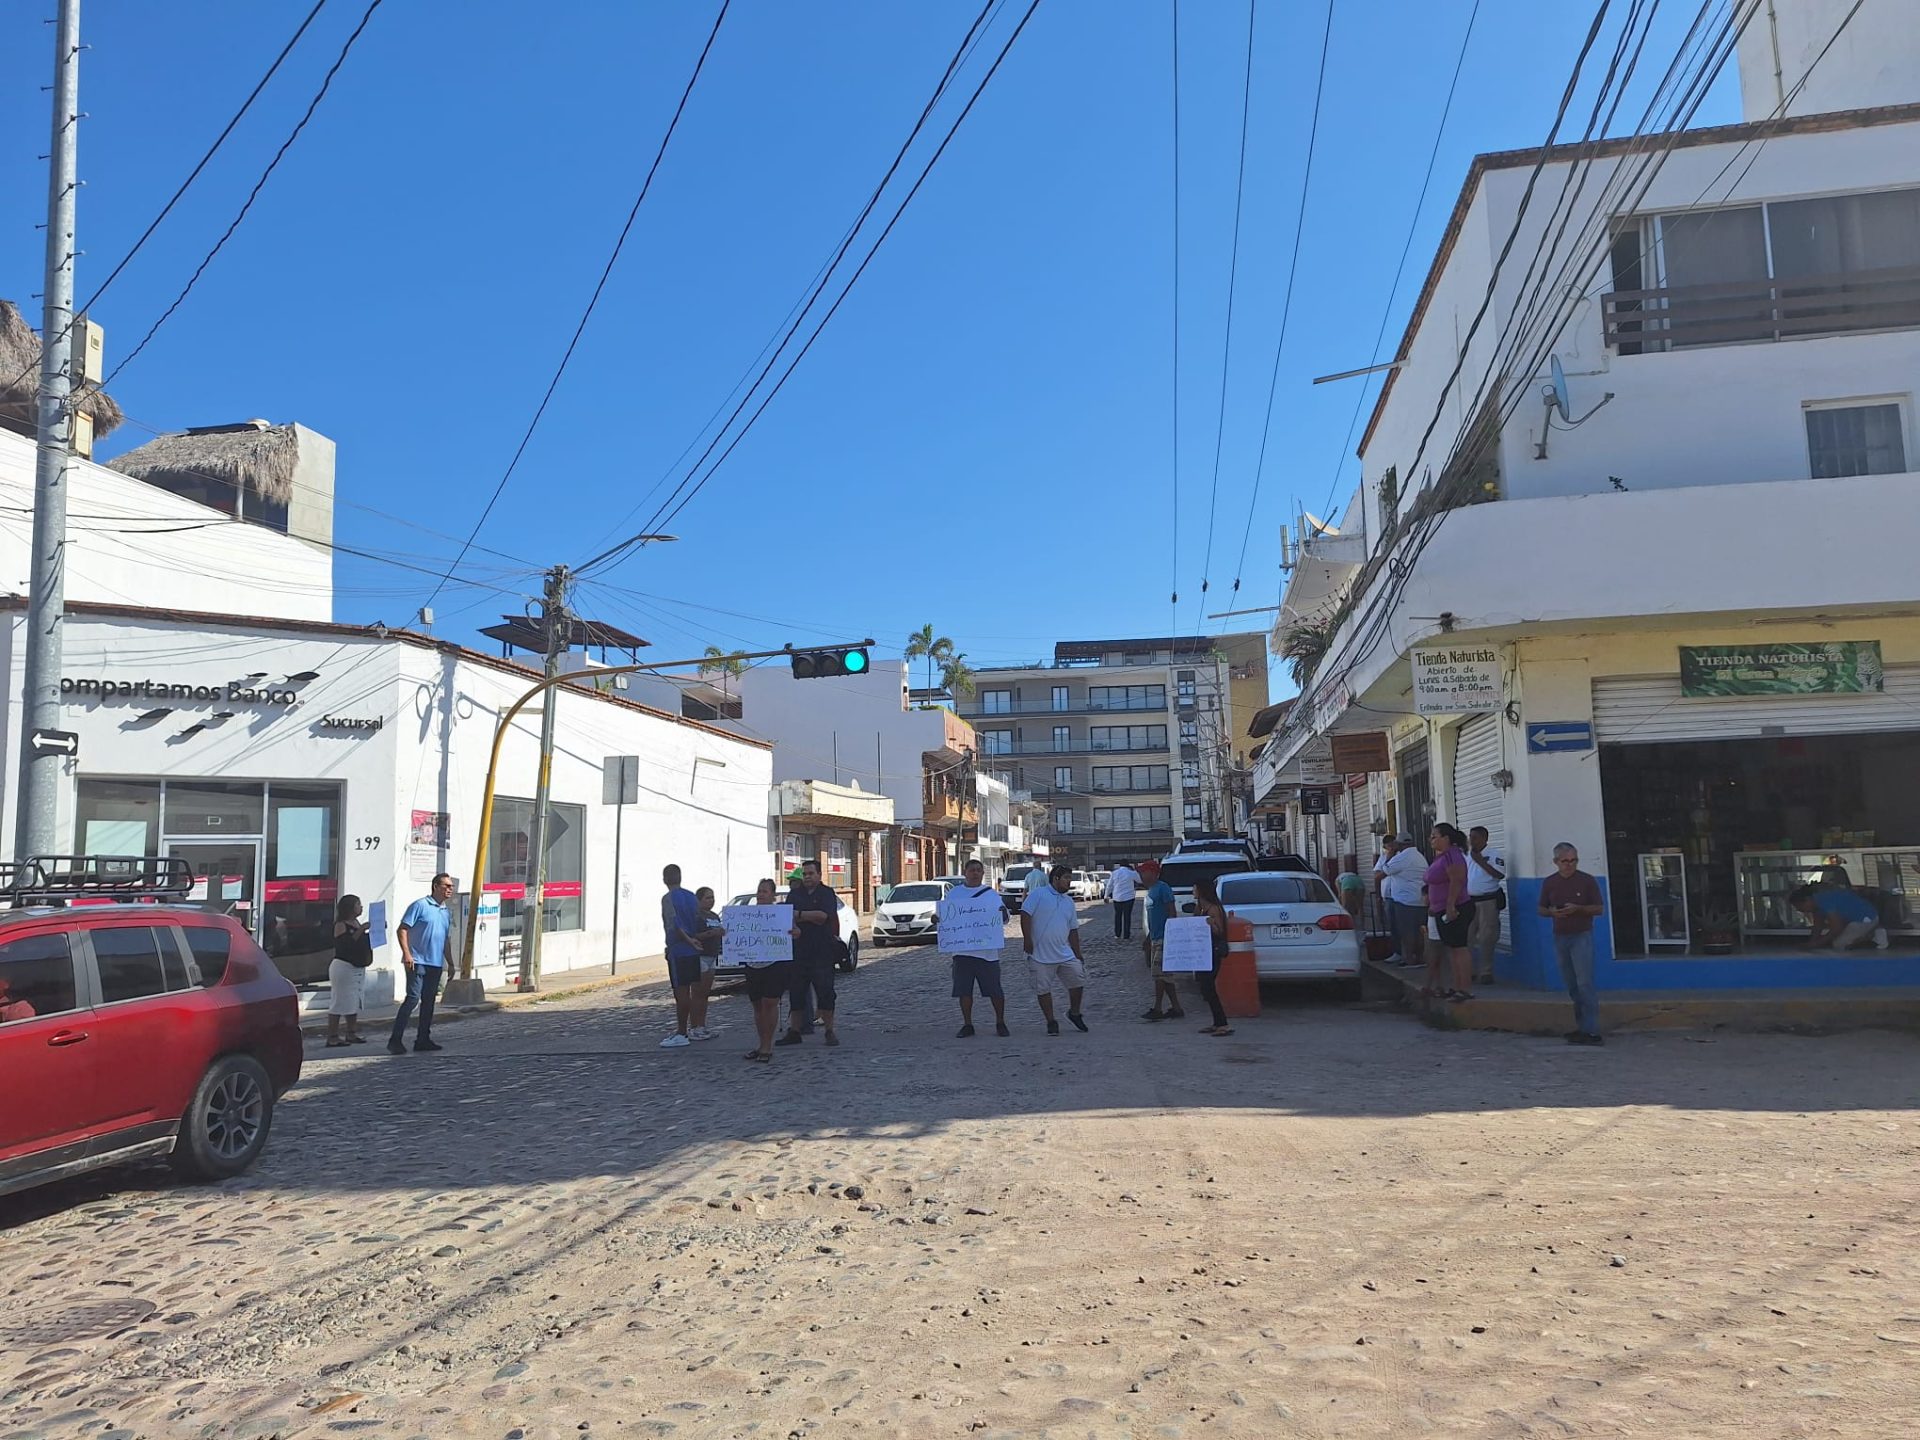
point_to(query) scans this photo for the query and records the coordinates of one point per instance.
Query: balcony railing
(1072, 747)
(978, 711)
(1766, 309)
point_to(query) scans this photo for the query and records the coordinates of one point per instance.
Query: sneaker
(700, 1032)
(1053, 1027)
(1001, 1029)
(1078, 1023)
(965, 1033)
(395, 1047)
(792, 1037)
(675, 1041)
(427, 1045)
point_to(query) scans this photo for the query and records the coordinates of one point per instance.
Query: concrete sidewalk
(643, 970)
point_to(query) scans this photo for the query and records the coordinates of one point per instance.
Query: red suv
(133, 1030)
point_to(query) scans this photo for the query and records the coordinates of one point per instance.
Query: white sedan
(910, 912)
(1300, 929)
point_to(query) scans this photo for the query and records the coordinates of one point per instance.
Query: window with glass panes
(510, 864)
(996, 702)
(1130, 777)
(1126, 697)
(1060, 701)
(1133, 817)
(1128, 737)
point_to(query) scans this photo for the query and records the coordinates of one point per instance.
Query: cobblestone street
(1334, 1222)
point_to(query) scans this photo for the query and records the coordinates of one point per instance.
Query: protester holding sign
(1215, 914)
(973, 924)
(761, 940)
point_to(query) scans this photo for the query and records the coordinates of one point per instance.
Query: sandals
(1455, 997)
(337, 1044)
(763, 1056)
(1217, 1031)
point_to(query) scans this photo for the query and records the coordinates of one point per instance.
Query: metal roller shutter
(1648, 709)
(1477, 754)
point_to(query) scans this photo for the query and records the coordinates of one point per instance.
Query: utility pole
(41, 768)
(557, 623)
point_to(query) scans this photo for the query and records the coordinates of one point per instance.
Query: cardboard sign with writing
(972, 924)
(757, 934)
(1189, 946)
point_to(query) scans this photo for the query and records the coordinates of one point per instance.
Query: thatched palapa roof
(252, 456)
(20, 380)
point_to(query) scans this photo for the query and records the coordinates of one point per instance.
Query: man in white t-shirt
(1486, 873)
(1122, 885)
(980, 971)
(1050, 934)
(1401, 871)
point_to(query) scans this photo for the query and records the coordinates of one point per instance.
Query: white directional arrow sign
(54, 742)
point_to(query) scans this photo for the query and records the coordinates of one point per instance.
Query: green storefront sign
(1831, 667)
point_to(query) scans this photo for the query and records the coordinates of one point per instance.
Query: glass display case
(1663, 900)
(1767, 877)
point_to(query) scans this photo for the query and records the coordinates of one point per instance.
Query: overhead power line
(326, 84)
(676, 501)
(1175, 527)
(593, 300)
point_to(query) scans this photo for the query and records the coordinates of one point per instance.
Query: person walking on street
(1402, 870)
(347, 973)
(1050, 934)
(1486, 874)
(426, 949)
(1449, 965)
(767, 982)
(816, 911)
(1122, 886)
(1207, 896)
(1571, 899)
(982, 971)
(680, 923)
(1166, 996)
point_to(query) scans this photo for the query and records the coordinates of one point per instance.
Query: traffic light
(840, 660)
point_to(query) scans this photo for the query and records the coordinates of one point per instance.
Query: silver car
(1300, 929)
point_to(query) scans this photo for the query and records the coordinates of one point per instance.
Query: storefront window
(840, 864)
(797, 847)
(510, 867)
(118, 817)
(214, 807)
(302, 876)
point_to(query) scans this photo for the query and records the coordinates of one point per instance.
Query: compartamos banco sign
(233, 691)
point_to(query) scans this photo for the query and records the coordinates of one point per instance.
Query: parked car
(1180, 871)
(132, 1032)
(911, 913)
(1275, 860)
(1085, 885)
(1215, 845)
(1300, 929)
(849, 932)
(1013, 888)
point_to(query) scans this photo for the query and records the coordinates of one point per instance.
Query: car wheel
(853, 953)
(226, 1124)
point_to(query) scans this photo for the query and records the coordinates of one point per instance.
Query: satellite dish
(1554, 396)
(1317, 525)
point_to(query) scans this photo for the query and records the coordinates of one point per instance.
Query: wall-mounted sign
(1361, 754)
(231, 691)
(1316, 762)
(352, 722)
(1456, 680)
(1314, 800)
(1823, 667)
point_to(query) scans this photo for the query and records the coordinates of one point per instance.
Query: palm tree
(1303, 645)
(923, 644)
(719, 662)
(955, 674)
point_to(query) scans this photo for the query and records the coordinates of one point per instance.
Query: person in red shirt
(1571, 899)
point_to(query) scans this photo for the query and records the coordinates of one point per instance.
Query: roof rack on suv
(42, 879)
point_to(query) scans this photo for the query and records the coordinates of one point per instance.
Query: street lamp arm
(493, 766)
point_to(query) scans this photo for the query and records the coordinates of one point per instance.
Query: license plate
(1288, 932)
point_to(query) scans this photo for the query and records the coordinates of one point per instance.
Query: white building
(1697, 602)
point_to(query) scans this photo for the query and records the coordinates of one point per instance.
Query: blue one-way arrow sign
(1548, 737)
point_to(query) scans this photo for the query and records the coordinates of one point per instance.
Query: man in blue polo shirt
(425, 949)
(1841, 918)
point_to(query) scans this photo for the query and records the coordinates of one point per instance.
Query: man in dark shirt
(816, 913)
(1571, 899)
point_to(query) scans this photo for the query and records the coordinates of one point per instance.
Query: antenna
(1554, 395)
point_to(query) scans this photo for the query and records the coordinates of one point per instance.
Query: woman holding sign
(768, 978)
(1215, 914)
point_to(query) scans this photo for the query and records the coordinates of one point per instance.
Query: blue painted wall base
(1532, 962)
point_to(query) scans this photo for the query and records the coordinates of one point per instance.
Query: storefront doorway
(226, 872)
(1724, 830)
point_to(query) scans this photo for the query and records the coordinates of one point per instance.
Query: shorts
(971, 970)
(1454, 933)
(345, 982)
(769, 982)
(1156, 954)
(684, 970)
(1069, 974)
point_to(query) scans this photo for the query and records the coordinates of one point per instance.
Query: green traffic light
(856, 662)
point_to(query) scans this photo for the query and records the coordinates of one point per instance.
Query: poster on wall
(1456, 680)
(1822, 667)
(427, 844)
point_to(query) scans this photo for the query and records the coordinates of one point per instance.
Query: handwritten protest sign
(1189, 946)
(970, 924)
(757, 934)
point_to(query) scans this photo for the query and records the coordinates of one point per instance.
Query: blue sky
(981, 437)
